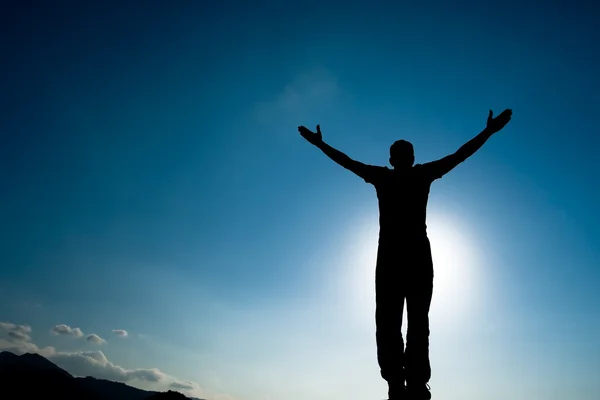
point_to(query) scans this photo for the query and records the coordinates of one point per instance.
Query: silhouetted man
(404, 267)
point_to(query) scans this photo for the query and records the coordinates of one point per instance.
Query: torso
(403, 200)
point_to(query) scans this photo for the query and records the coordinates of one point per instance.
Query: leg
(418, 301)
(389, 300)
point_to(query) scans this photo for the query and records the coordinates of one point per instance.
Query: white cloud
(65, 330)
(15, 338)
(20, 347)
(93, 338)
(121, 332)
(307, 96)
(19, 336)
(183, 385)
(7, 326)
(18, 333)
(95, 363)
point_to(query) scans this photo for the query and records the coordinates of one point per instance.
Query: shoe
(418, 392)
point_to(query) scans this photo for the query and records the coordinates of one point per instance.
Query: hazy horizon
(165, 225)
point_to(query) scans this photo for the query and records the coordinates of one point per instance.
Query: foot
(418, 392)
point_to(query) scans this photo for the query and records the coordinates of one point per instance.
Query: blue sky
(153, 181)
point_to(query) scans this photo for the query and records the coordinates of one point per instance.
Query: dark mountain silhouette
(32, 376)
(30, 362)
(104, 389)
(170, 395)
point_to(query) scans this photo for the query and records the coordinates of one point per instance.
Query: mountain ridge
(49, 380)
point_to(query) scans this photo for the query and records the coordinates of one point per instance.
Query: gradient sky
(153, 180)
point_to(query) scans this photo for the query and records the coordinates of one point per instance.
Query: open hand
(312, 137)
(496, 124)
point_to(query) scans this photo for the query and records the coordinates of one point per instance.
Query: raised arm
(439, 168)
(363, 170)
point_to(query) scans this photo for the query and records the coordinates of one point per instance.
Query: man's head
(402, 154)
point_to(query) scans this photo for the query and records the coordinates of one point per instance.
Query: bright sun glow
(454, 262)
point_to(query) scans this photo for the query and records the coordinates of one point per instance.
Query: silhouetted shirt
(402, 197)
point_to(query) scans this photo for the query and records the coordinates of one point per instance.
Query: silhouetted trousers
(404, 271)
